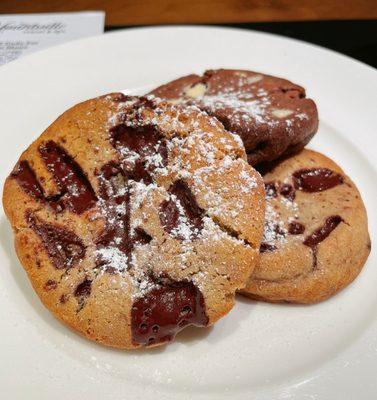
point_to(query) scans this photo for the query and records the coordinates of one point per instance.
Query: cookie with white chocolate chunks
(135, 218)
(316, 237)
(272, 115)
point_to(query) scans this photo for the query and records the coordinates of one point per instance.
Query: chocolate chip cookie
(135, 218)
(316, 237)
(272, 115)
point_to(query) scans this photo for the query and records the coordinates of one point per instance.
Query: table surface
(137, 12)
(347, 26)
(357, 38)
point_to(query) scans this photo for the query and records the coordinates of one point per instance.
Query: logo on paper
(33, 28)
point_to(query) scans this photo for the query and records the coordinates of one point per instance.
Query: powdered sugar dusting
(242, 102)
(241, 107)
(114, 257)
(277, 208)
(248, 182)
(274, 230)
(188, 141)
(184, 229)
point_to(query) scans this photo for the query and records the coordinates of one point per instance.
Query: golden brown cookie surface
(134, 218)
(316, 235)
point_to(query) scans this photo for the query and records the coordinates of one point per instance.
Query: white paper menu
(21, 34)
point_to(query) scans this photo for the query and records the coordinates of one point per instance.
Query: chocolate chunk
(181, 210)
(83, 291)
(288, 191)
(141, 237)
(271, 190)
(117, 232)
(114, 190)
(266, 247)
(142, 149)
(323, 232)
(63, 246)
(84, 288)
(296, 228)
(165, 310)
(50, 285)
(76, 192)
(112, 182)
(26, 178)
(169, 215)
(279, 230)
(316, 179)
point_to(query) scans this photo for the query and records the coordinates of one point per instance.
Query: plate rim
(29, 58)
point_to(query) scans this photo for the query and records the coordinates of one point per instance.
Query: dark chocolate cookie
(272, 115)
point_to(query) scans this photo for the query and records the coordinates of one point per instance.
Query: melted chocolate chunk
(181, 208)
(288, 191)
(141, 150)
(148, 147)
(77, 194)
(82, 291)
(26, 178)
(266, 247)
(165, 310)
(112, 181)
(169, 215)
(109, 170)
(316, 179)
(323, 232)
(141, 237)
(117, 234)
(63, 246)
(296, 228)
(84, 288)
(271, 190)
(279, 230)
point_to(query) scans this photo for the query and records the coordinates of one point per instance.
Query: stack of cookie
(135, 217)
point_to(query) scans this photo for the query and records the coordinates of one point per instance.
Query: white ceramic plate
(259, 351)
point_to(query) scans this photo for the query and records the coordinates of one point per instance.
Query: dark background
(347, 26)
(357, 39)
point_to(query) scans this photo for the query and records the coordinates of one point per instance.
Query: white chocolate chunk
(281, 113)
(175, 101)
(254, 79)
(196, 91)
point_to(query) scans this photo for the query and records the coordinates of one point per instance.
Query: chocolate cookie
(272, 115)
(316, 234)
(135, 218)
